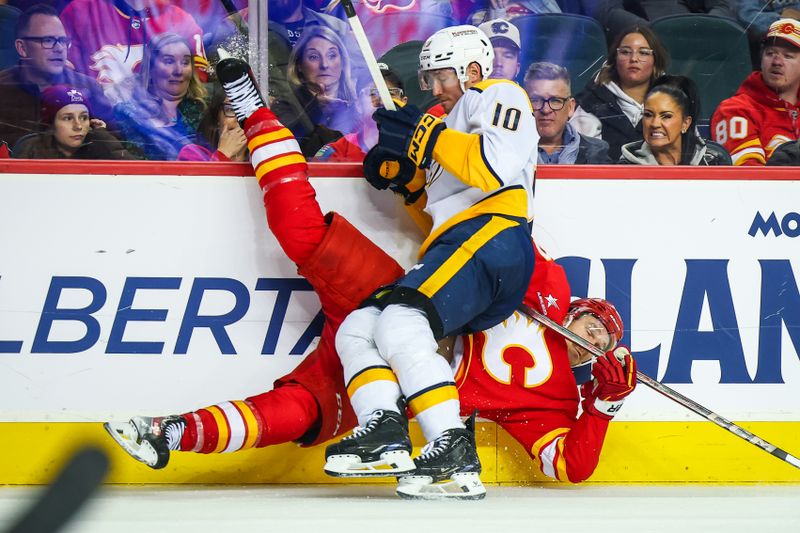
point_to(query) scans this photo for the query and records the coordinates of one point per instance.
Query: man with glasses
(42, 45)
(548, 87)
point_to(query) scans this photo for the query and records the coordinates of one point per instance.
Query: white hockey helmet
(457, 47)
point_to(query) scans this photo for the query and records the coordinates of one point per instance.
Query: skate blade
(389, 465)
(462, 486)
(123, 433)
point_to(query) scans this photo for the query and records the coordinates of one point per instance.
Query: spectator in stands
(758, 15)
(617, 15)
(477, 12)
(548, 87)
(670, 136)
(71, 132)
(506, 44)
(109, 38)
(220, 137)
(354, 146)
(763, 114)
(42, 45)
(635, 59)
(323, 104)
(786, 155)
(168, 103)
(295, 17)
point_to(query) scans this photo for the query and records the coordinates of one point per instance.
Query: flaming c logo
(381, 6)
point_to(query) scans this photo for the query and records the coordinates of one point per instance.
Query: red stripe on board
(354, 170)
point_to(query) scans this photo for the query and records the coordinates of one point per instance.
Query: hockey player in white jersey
(473, 270)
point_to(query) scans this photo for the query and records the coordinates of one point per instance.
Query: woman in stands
(168, 102)
(321, 106)
(353, 147)
(670, 136)
(70, 132)
(616, 97)
(220, 137)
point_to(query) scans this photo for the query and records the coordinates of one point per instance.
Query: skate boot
(381, 448)
(148, 440)
(240, 86)
(447, 468)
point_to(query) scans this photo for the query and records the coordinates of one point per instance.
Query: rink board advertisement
(153, 294)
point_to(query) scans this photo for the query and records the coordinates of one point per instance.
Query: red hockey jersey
(753, 122)
(108, 37)
(518, 375)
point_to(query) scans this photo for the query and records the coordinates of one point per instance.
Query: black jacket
(785, 155)
(617, 129)
(593, 152)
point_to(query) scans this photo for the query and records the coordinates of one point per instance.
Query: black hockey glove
(384, 170)
(409, 132)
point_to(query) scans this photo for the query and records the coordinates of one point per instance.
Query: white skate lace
(435, 448)
(173, 432)
(372, 423)
(244, 96)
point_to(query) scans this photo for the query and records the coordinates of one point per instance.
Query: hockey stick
(669, 393)
(79, 479)
(369, 56)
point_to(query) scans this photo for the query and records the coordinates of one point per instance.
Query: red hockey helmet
(604, 311)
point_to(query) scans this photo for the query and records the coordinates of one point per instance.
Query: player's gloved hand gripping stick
(670, 393)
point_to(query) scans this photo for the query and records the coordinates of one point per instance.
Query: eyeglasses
(642, 53)
(228, 111)
(49, 41)
(555, 103)
(395, 92)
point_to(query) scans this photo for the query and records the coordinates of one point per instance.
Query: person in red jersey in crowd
(764, 112)
(517, 373)
(109, 37)
(354, 146)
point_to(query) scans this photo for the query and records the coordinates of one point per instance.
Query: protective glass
(446, 77)
(49, 41)
(395, 92)
(555, 103)
(641, 53)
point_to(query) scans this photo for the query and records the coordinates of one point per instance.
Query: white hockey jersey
(485, 160)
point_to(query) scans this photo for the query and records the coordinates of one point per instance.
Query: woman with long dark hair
(669, 133)
(616, 97)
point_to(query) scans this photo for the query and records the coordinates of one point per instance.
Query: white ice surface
(367, 509)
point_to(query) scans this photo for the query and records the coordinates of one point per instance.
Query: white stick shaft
(369, 56)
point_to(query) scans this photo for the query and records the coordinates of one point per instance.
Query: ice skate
(381, 448)
(148, 440)
(447, 468)
(240, 86)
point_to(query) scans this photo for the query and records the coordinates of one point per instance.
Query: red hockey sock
(281, 415)
(274, 152)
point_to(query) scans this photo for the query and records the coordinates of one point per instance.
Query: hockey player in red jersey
(516, 373)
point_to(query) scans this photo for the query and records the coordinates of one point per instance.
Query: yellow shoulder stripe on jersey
(488, 82)
(748, 144)
(461, 154)
(512, 201)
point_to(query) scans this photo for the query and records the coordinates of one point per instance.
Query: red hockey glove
(614, 379)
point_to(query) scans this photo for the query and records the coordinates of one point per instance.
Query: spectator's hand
(329, 104)
(791, 13)
(614, 379)
(96, 123)
(232, 140)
